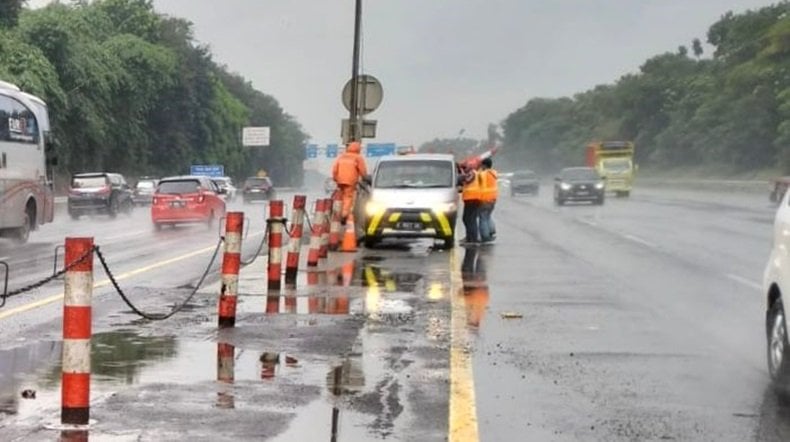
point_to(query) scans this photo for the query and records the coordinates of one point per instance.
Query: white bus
(26, 197)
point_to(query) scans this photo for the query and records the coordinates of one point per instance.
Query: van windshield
(414, 174)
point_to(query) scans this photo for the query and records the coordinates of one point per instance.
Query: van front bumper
(410, 223)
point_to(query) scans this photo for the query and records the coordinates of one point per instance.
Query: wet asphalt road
(638, 320)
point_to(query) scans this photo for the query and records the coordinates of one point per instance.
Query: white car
(226, 187)
(776, 283)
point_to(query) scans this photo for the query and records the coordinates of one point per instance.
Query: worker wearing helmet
(348, 168)
(488, 195)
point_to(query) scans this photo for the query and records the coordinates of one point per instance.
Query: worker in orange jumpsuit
(488, 195)
(348, 168)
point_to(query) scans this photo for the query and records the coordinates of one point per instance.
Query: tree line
(728, 110)
(131, 90)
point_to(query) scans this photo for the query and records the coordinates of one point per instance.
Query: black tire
(20, 235)
(158, 226)
(74, 215)
(114, 207)
(448, 243)
(626, 193)
(599, 201)
(777, 344)
(559, 201)
(370, 242)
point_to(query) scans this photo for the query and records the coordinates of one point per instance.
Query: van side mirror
(367, 179)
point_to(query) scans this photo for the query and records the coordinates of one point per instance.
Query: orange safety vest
(489, 190)
(472, 190)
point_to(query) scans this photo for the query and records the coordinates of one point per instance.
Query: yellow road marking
(106, 282)
(463, 407)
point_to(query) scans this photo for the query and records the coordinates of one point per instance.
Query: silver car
(409, 196)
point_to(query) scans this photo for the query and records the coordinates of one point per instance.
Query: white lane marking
(125, 235)
(588, 222)
(639, 240)
(744, 281)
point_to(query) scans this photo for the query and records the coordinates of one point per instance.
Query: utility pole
(355, 128)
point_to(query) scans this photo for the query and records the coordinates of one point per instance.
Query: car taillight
(105, 190)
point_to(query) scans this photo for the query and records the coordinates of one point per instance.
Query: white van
(410, 196)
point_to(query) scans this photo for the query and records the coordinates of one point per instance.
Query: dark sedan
(258, 189)
(524, 182)
(579, 184)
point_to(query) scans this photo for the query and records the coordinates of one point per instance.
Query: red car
(186, 199)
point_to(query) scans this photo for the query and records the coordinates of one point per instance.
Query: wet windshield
(524, 176)
(617, 165)
(146, 185)
(89, 182)
(178, 187)
(414, 174)
(257, 182)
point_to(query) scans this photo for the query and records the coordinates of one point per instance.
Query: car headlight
(599, 186)
(565, 186)
(373, 208)
(445, 208)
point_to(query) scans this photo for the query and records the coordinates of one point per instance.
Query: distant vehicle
(579, 184)
(614, 160)
(778, 188)
(524, 182)
(226, 188)
(258, 189)
(186, 199)
(26, 197)
(409, 196)
(99, 193)
(144, 190)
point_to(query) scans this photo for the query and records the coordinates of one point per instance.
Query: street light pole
(353, 116)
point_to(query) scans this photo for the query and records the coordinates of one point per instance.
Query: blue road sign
(311, 151)
(331, 150)
(380, 149)
(213, 170)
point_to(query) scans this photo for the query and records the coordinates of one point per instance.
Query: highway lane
(642, 320)
(638, 320)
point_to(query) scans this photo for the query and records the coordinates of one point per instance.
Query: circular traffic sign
(369, 91)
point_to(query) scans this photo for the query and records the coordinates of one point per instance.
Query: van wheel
(370, 242)
(113, 210)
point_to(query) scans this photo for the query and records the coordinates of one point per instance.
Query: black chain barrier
(177, 308)
(47, 280)
(260, 247)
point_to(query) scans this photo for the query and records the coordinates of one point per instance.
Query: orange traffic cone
(349, 243)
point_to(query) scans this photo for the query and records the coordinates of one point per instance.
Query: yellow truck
(614, 161)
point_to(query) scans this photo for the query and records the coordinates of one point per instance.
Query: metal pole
(353, 116)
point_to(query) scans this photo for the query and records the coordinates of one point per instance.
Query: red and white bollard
(315, 239)
(76, 372)
(231, 263)
(323, 252)
(295, 244)
(276, 227)
(335, 226)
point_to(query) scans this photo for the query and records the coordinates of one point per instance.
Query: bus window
(17, 122)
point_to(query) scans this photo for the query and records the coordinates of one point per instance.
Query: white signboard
(255, 136)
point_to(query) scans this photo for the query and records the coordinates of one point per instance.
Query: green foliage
(9, 12)
(731, 110)
(130, 90)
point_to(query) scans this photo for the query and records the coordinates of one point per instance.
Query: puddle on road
(130, 370)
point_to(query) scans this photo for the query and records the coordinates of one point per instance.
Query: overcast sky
(446, 65)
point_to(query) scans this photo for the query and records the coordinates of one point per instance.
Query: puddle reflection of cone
(226, 362)
(74, 436)
(349, 236)
(273, 304)
(269, 363)
(290, 303)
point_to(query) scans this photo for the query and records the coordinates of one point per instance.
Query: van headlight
(373, 208)
(599, 186)
(445, 208)
(565, 186)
